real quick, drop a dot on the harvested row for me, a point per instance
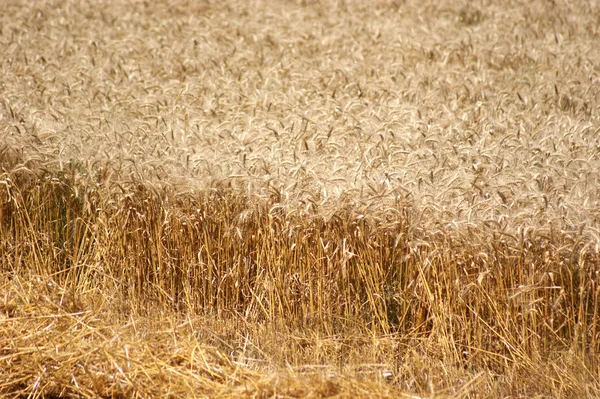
(496, 306)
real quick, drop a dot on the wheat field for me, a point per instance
(299, 199)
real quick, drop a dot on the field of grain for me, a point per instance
(299, 199)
